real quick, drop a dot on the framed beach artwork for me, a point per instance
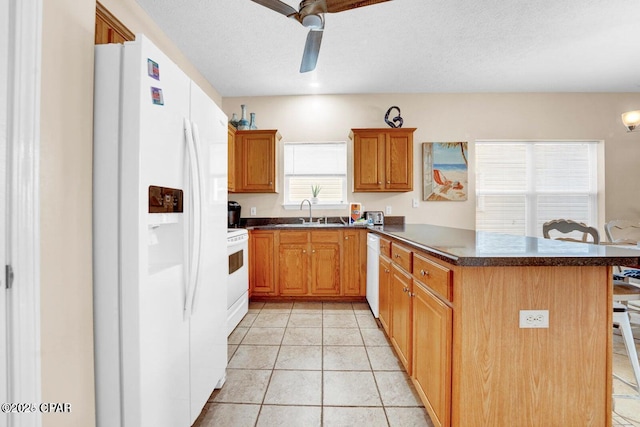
(444, 171)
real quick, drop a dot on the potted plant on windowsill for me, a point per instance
(315, 190)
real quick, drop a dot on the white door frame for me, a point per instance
(21, 72)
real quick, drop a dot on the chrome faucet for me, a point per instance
(308, 201)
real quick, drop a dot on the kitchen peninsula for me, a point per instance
(451, 302)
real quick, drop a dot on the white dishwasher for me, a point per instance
(373, 253)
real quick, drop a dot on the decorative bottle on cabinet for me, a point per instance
(243, 124)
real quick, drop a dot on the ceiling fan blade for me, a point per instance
(279, 7)
(334, 6)
(311, 50)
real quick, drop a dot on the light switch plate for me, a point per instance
(253, 211)
(416, 203)
(387, 210)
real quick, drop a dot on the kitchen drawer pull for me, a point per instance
(424, 273)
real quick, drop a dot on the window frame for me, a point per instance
(290, 205)
(595, 193)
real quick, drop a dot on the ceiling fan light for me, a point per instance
(312, 21)
(631, 120)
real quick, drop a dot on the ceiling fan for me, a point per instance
(311, 15)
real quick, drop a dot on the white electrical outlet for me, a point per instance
(387, 210)
(253, 211)
(534, 318)
(416, 203)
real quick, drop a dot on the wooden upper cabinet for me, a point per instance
(382, 159)
(109, 29)
(231, 158)
(255, 161)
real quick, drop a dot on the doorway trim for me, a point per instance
(23, 77)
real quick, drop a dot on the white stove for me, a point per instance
(238, 281)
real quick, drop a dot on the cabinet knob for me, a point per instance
(270, 182)
(388, 182)
(346, 238)
(304, 251)
(313, 251)
(397, 255)
(386, 271)
(412, 294)
(424, 273)
(405, 289)
(379, 183)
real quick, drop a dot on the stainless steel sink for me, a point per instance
(308, 225)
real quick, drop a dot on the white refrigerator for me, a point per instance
(159, 223)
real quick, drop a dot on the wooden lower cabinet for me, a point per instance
(353, 262)
(384, 298)
(293, 270)
(261, 267)
(432, 333)
(401, 315)
(325, 263)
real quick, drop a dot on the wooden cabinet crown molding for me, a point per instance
(109, 29)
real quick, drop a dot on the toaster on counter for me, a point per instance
(375, 217)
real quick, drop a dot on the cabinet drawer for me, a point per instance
(401, 256)
(325, 236)
(435, 276)
(385, 247)
(288, 237)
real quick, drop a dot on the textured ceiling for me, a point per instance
(412, 46)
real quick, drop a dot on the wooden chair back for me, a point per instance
(566, 226)
(622, 231)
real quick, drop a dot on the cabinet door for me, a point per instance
(368, 161)
(399, 161)
(256, 165)
(261, 268)
(384, 286)
(231, 158)
(401, 334)
(293, 268)
(432, 335)
(353, 282)
(325, 269)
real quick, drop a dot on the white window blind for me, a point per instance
(315, 163)
(522, 185)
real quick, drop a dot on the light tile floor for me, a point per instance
(328, 364)
(312, 364)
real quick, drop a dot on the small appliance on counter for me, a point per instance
(375, 218)
(234, 214)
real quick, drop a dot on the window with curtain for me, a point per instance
(309, 164)
(522, 185)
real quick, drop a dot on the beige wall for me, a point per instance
(454, 117)
(66, 179)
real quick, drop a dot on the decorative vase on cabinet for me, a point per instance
(243, 124)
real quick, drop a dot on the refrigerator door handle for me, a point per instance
(195, 219)
(197, 144)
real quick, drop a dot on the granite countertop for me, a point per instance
(478, 248)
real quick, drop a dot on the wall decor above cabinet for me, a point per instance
(252, 164)
(382, 159)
